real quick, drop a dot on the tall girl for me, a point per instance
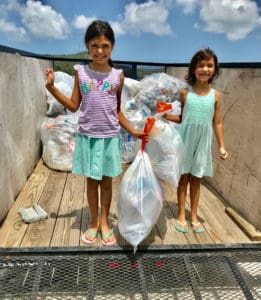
(97, 94)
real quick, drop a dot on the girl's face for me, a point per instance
(100, 49)
(205, 69)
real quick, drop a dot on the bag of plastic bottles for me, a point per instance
(58, 139)
(140, 200)
(159, 87)
(165, 147)
(136, 114)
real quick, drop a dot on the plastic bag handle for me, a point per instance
(147, 128)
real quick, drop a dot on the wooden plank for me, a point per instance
(249, 229)
(13, 228)
(218, 224)
(166, 226)
(68, 225)
(39, 234)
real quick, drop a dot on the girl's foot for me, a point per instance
(90, 236)
(181, 226)
(197, 227)
(108, 238)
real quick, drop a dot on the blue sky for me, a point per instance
(168, 31)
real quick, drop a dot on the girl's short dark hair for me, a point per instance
(203, 54)
(98, 28)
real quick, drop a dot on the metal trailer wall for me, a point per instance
(23, 106)
(238, 179)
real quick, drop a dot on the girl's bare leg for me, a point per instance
(194, 198)
(182, 193)
(106, 196)
(93, 201)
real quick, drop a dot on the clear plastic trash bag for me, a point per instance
(58, 138)
(165, 149)
(140, 200)
(159, 87)
(129, 90)
(64, 77)
(136, 114)
(55, 108)
(64, 83)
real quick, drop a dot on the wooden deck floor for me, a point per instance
(63, 196)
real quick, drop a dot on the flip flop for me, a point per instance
(195, 227)
(107, 236)
(181, 226)
(92, 234)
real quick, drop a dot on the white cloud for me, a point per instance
(235, 18)
(14, 32)
(81, 22)
(117, 28)
(13, 5)
(148, 17)
(189, 5)
(9, 27)
(35, 18)
(42, 21)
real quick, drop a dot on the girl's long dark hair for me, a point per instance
(203, 54)
(98, 28)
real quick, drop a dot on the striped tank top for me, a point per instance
(98, 110)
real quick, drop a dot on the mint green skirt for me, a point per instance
(97, 157)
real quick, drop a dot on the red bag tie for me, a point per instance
(163, 106)
(147, 128)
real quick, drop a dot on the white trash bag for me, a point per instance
(55, 108)
(140, 200)
(58, 138)
(165, 149)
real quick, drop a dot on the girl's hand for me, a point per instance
(140, 134)
(49, 73)
(223, 153)
(165, 116)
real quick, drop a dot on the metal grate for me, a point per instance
(169, 273)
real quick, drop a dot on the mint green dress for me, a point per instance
(196, 131)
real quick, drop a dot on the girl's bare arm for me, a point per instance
(178, 118)
(218, 126)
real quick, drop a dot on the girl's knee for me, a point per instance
(92, 183)
(106, 183)
(184, 180)
(194, 179)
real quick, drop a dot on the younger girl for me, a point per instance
(97, 92)
(200, 109)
